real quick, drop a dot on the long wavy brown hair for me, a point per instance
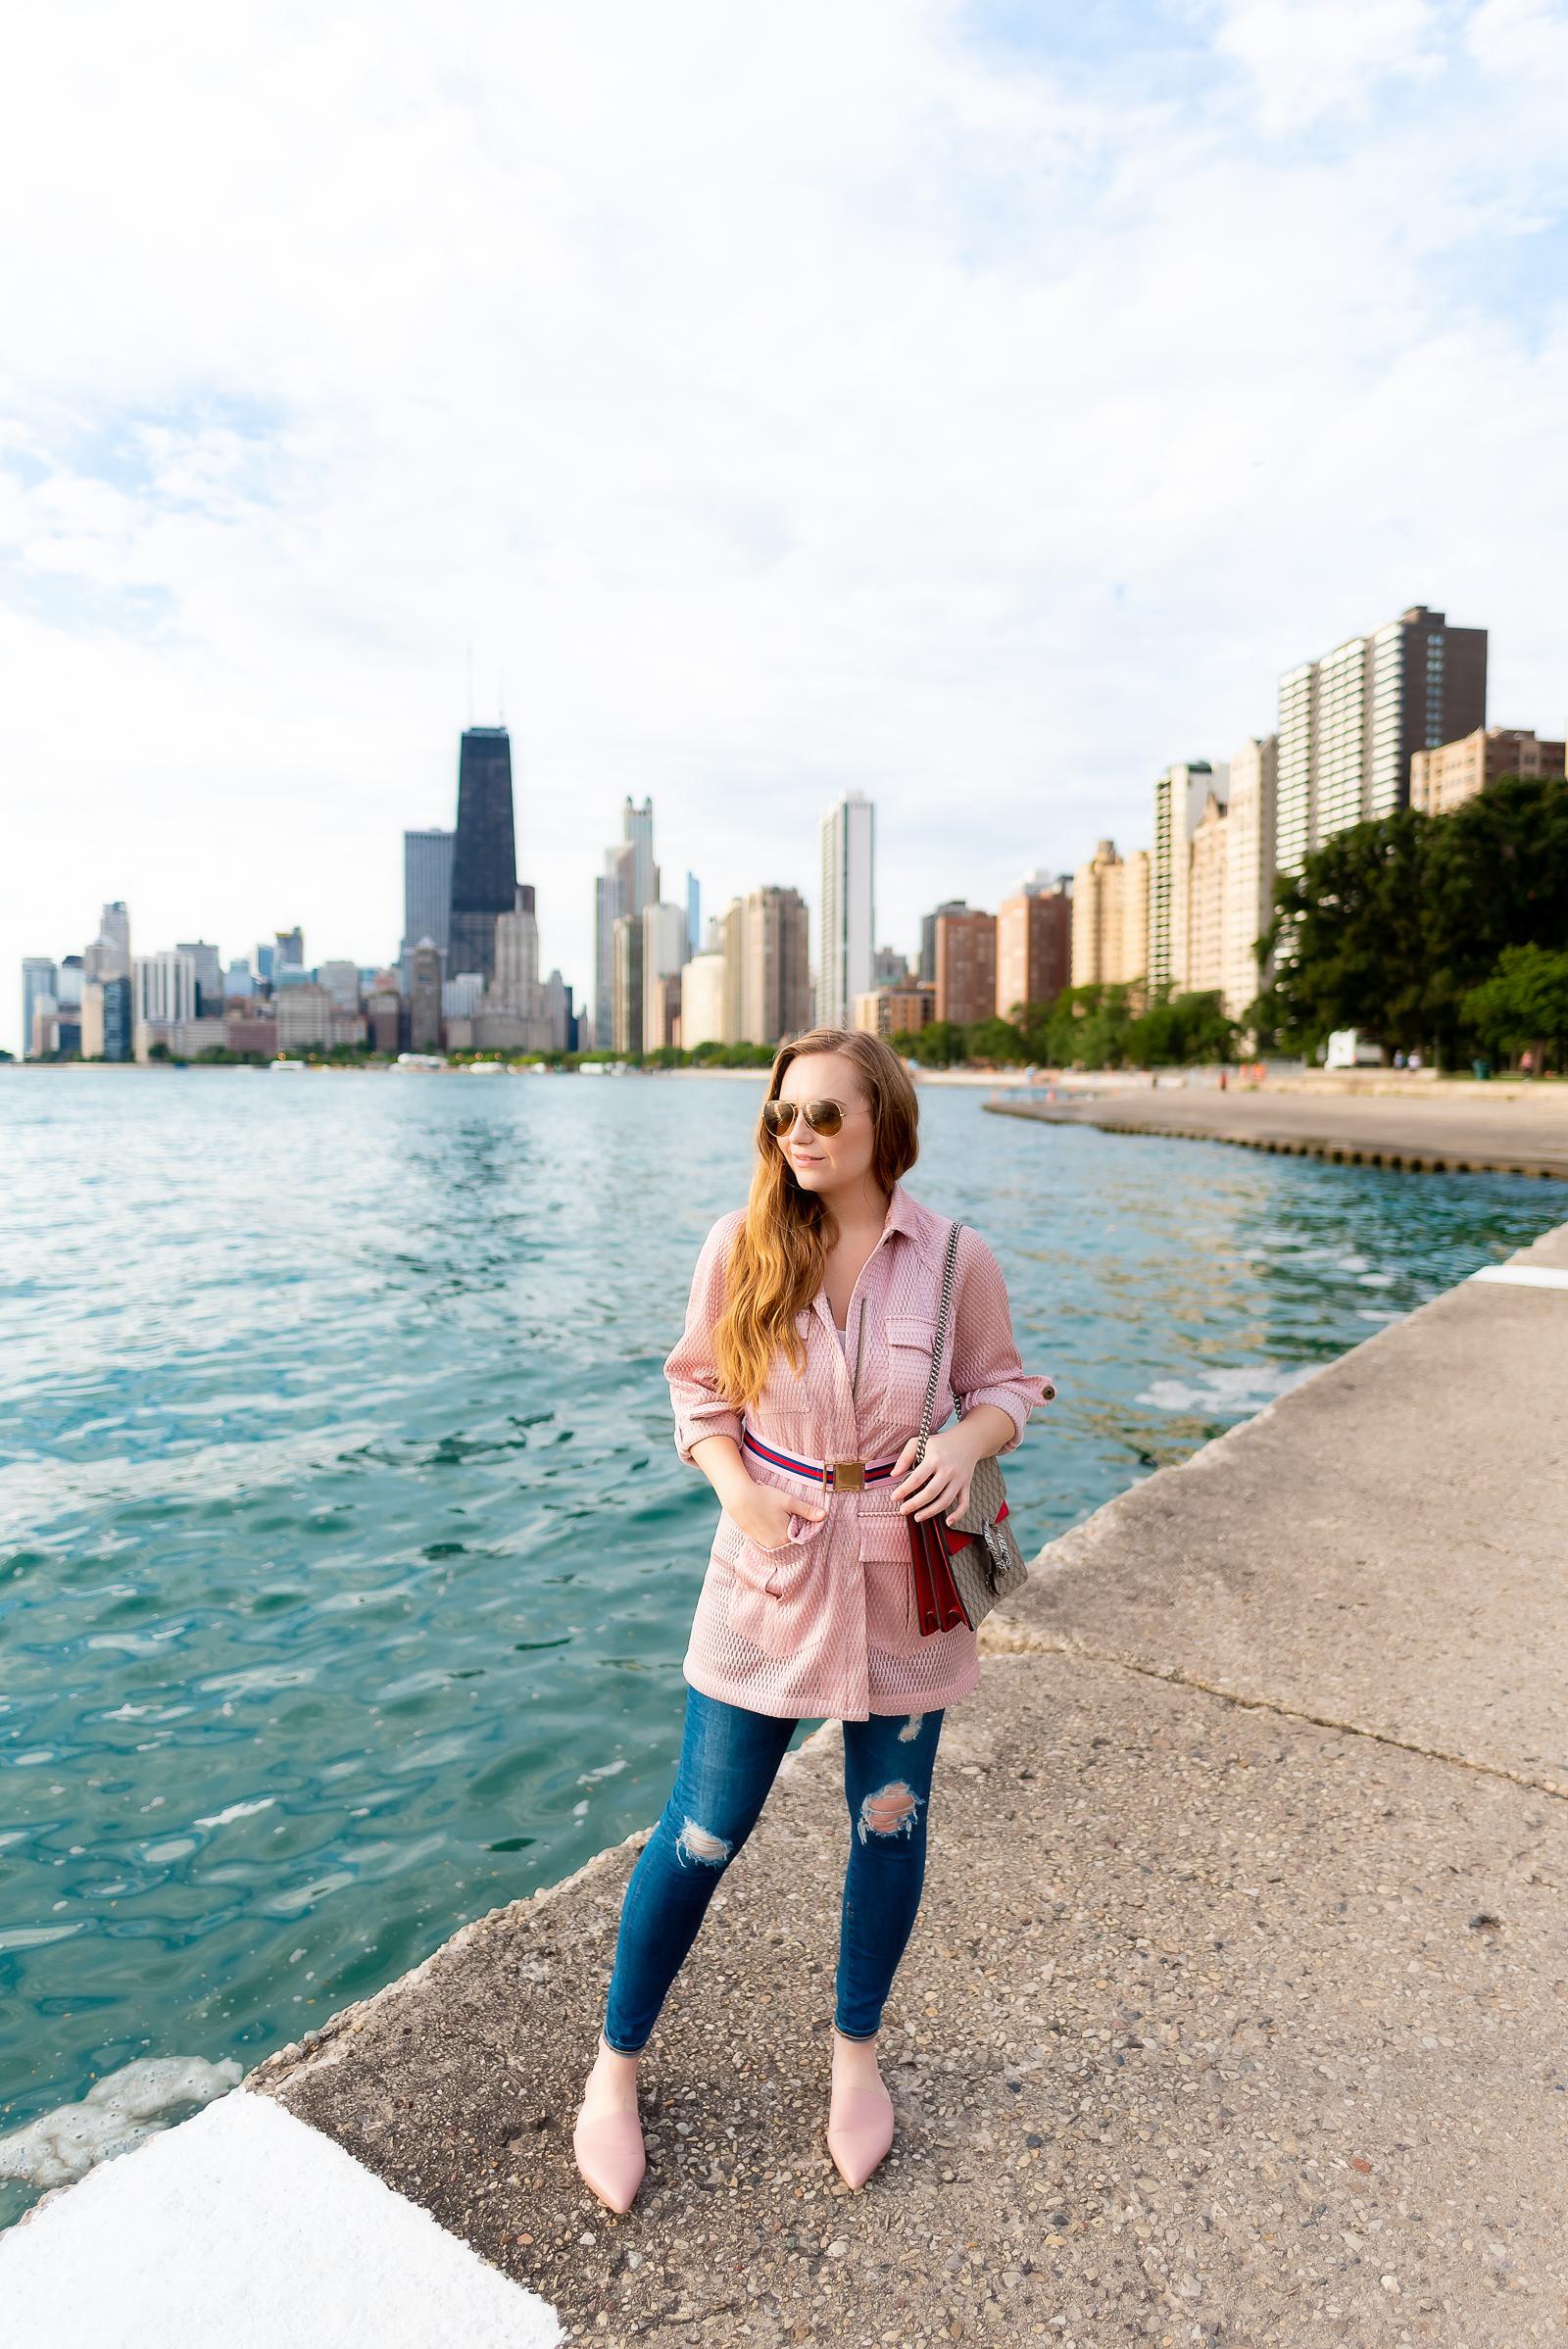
(779, 1256)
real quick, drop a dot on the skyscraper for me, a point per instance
(775, 966)
(115, 925)
(119, 1016)
(1249, 867)
(664, 951)
(209, 971)
(849, 907)
(427, 892)
(1110, 918)
(39, 979)
(484, 856)
(926, 969)
(966, 967)
(1034, 944)
(637, 831)
(628, 883)
(1351, 723)
(626, 984)
(1180, 794)
(424, 998)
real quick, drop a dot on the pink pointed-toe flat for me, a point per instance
(610, 2156)
(859, 2131)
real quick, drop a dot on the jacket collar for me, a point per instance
(927, 1230)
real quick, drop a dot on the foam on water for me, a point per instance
(116, 2113)
(1228, 1392)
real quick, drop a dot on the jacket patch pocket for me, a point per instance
(775, 1598)
(890, 1623)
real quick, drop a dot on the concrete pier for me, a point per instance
(1235, 2011)
(1477, 1129)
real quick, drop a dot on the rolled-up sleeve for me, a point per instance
(986, 1366)
(699, 1408)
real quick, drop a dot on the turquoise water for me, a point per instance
(346, 1563)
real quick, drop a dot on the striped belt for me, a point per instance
(834, 1476)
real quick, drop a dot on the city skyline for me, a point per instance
(1357, 731)
(756, 505)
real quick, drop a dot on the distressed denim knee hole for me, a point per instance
(699, 1843)
(890, 1811)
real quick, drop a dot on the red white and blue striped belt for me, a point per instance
(834, 1476)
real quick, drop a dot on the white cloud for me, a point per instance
(1309, 58)
(784, 398)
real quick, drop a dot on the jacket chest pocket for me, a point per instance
(911, 1343)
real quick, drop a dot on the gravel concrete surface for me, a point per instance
(1470, 1132)
(1235, 2009)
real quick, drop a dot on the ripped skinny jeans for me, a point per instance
(729, 1758)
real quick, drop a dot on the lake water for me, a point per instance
(345, 1564)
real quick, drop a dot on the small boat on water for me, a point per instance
(280, 1062)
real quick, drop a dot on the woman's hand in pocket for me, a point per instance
(764, 1513)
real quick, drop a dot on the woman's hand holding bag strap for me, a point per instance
(954, 1584)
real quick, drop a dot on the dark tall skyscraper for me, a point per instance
(484, 856)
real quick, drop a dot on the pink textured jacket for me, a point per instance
(820, 1626)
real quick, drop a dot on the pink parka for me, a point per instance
(821, 1627)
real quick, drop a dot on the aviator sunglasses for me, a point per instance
(823, 1117)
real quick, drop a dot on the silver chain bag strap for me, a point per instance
(992, 1565)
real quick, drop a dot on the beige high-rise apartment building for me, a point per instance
(1249, 867)
(626, 983)
(1442, 779)
(1180, 794)
(1207, 895)
(1034, 945)
(967, 967)
(1110, 918)
(663, 943)
(702, 1001)
(775, 966)
(753, 980)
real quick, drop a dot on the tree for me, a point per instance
(994, 1039)
(1177, 1030)
(1525, 1002)
(1088, 1027)
(1392, 924)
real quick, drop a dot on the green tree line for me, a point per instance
(1445, 933)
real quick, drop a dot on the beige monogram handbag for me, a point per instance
(991, 1564)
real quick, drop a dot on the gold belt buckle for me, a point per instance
(849, 1476)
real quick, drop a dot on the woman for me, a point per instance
(798, 1387)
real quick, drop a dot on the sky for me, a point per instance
(978, 406)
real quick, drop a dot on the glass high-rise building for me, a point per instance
(485, 854)
(39, 978)
(119, 1020)
(848, 908)
(426, 887)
